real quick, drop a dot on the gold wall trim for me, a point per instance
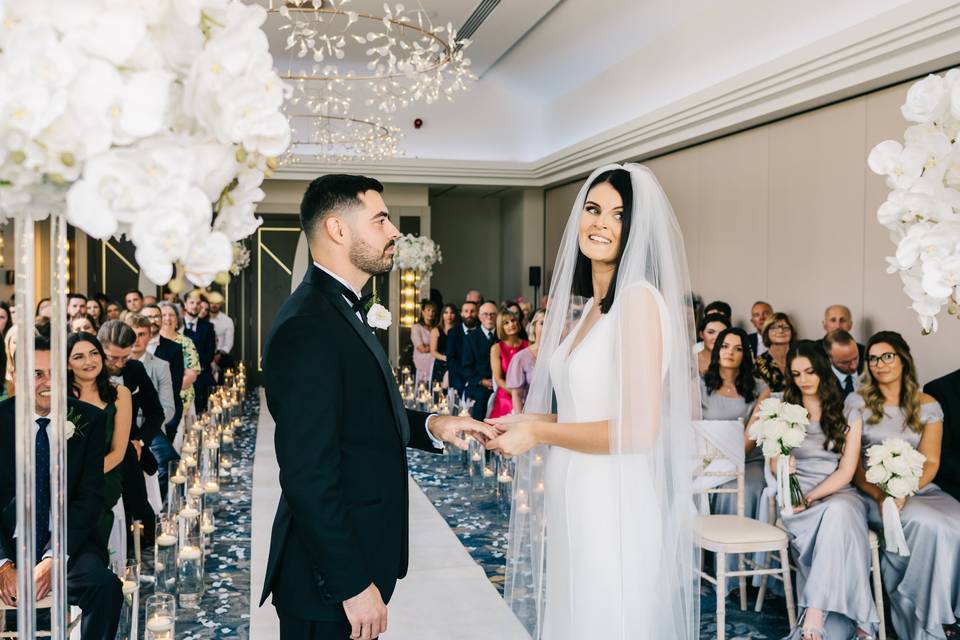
(130, 265)
(260, 245)
(264, 248)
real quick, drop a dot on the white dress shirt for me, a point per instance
(842, 377)
(223, 328)
(436, 443)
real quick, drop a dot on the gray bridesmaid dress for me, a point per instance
(830, 547)
(924, 587)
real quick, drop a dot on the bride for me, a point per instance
(600, 531)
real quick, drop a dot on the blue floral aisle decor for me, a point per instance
(481, 526)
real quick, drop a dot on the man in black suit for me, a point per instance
(339, 540)
(201, 331)
(946, 390)
(172, 352)
(476, 361)
(455, 345)
(845, 360)
(759, 313)
(146, 422)
(90, 584)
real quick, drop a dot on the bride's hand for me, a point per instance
(518, 438)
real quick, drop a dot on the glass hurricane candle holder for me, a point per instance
(165, 555)
(190, 571)
(129, 573)
(160, 613)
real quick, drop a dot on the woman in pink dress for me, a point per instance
(420, 336)
(508, 331)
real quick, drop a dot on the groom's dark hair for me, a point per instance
(331, 193)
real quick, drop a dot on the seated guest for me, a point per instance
(759, 313)
(838, 316)
(520, 371)
(439, 337)
(88, 380)
(95, 311)
(76, 303)
(946, 391)
(149, 300)
(90, 583)
(476, 361)
(709, 328)
(718, 306)
(779, 335)
(514, 307)
(82, 322)
(844, 358)
(510, 343)
(828, 532)
(170, 331)
(455, 346)
(474, 297)
(172, 353)
(201, 332)
(113, 311)
(728, 391)
(923, 587)
(133, 300)
(420, 337)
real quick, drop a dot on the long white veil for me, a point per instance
(657, 402)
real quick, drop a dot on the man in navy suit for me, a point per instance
(204, 336)
(947, 392)
(455, 345)
(476, 361)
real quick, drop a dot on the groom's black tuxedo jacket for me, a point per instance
(341, 433)
(947, 392)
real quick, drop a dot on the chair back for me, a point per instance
(720, 458)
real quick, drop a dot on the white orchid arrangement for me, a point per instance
(157, 120)
(419, 253)
(780, 427)
(922, 211)
(894, 466)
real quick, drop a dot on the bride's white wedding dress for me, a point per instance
(602, 513)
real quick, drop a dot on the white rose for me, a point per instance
(794, 437)
(69, 429)
(771, 449)
(877, 454)
(770, 407)
(877, 474)
(379, 317)
(794, 414)
(899, 487)
(927, 100)
(898, 466)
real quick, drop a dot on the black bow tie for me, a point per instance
(357, 304)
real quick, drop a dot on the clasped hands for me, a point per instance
(41, 580)
(510, 435)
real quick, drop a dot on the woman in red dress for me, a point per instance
(510, 343)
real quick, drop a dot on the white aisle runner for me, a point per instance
(445, 596)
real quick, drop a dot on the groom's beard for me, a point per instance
(369, 259)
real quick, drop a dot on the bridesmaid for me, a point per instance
(449, 318)
(420, 336)
(508, 331)
(728, 391)
(828, 532)
(709, 328)
(924, 587)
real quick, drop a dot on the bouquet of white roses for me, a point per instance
(780, 427)
(894, 466)
(419, 253)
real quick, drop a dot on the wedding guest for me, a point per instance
(5, 319)
(43, 308)
(728, 391)
(172, 353)
(845, 362)
(89, 381)
(719, 306)
(838, 316)
(474, 297)
(514, 307)
(90, 584)
(83, 322)
(455, 346)
(170, 330)
(779, 334)
(148, 299)
(204, 338)
(509, 344)
(76, 303)
(923, 587)
(133, 300)
(520, 370)
(828, 531)
(439, 337)
(113, 311)
(527, 308)
(204, 312)
(95, 310)
(223, 329)
(478, 375)
(759, 313)
(420, 337)
(946, 391)
(709, 328)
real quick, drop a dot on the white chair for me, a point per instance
(73, 627)
(726, 534)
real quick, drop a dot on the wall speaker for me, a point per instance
(534, 276)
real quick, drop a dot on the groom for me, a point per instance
(339, 541)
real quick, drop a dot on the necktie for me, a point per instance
(43, 486)
(848, 385)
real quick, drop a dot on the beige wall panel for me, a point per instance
(734, 196)
(468, 232)
(815, 237)
(557, 205)
(679, 175)
(885, 304)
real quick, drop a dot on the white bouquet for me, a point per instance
(894, 466)
(922, 210)
(780, 427)
(419, 253)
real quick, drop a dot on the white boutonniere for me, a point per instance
(379, 317)
(69, 429)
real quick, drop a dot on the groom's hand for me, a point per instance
(367, 614)
(451, 428)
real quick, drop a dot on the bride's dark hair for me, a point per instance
(619, 179)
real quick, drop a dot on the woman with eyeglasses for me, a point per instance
(779, 335)
(923, 587)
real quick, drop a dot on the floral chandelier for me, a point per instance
(344, 65)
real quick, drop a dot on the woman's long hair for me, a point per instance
(746, 384)
(909, 387)
(456, 317)
(423, 318)
(832, 421)
(105, 388)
